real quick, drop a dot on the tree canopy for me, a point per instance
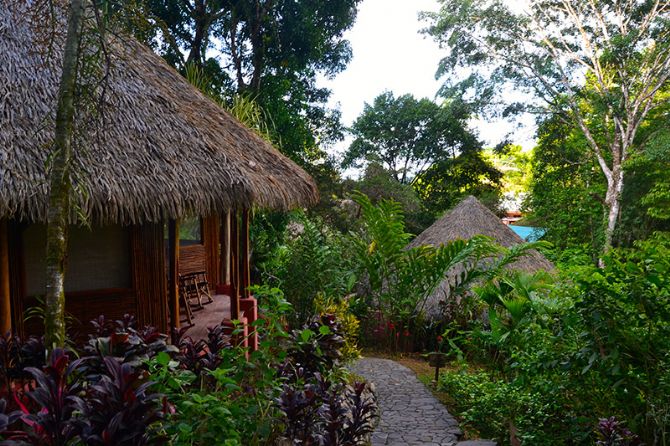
(548, 50)
(408, 135)
(271, 50)
(415, 142)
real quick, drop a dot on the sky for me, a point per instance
(390, 53)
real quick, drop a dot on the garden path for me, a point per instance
(410, 414)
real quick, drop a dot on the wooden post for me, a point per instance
(5, 297)
(224, 264)
(234, 266)
(211, 238)
(173, 272)
(244, 254)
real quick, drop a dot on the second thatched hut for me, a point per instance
(468, 219)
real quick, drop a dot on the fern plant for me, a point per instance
(511, 296)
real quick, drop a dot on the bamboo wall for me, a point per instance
(5, 296)
(149, 278)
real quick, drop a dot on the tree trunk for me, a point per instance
(201, 21)
(612, 207)
(59, 180)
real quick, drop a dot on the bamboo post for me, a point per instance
(224, 263)
(5, 298)
(173, 271)
(244, 253)
(235, 266)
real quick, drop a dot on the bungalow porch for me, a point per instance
(114, 270)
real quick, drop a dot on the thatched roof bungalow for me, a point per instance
(468, 219)
(161, 152)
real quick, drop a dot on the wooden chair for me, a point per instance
(202, 285)
(196, 286)
(185, 291)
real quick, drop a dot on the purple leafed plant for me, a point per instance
(363, 414)
(57, 394)
(119, 408)
(613, 433)
(120, 339)
(204, 354)
(9, 421)
(326, 413)
(15, 355)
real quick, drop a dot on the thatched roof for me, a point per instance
(467, 219)
(470, 218)
(164, 151)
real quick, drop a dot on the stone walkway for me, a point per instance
(410, 414)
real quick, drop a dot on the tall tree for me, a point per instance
(81, 96)
(409, 135)
(271, 50)
(426, 146)
(547, 49)
(60, 184)
(448, 181)
(566, 189)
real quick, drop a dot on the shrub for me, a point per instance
(328, 413)
(313, 261)
(398, 281)
(129, 387)
(349, 324)
(16, 355)
(257, 400)
(596, 343)
(506, 411)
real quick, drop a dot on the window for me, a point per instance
(98, 259)
(190, 231)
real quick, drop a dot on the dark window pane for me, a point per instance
(190, 231)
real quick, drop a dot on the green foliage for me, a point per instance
(565, 189)
(592, 345)
(311, 262)
(256, 398)
(515, 166)
(399, 280)
(225, 408)
(567, 192)
(497, 408)
(379, 183)
(408, 135)
(424, 144)
(626, 307)
(444, 184)
(648, 190)
(348, 322)
(510, 297)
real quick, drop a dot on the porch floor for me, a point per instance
(211, 315)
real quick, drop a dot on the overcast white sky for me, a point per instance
(389, 53)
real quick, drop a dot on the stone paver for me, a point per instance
(477, 443)
(410, 414)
